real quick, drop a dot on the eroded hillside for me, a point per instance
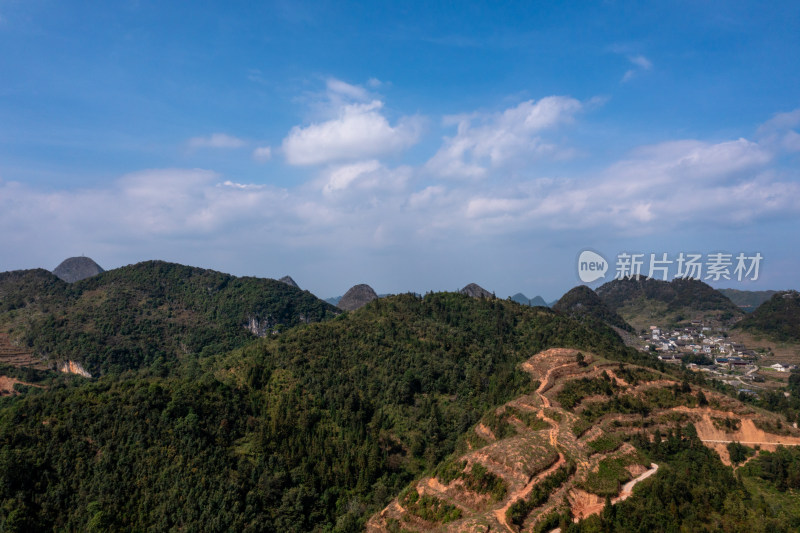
(570, 447)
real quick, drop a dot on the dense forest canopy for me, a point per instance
(777, 319)
(315, 428)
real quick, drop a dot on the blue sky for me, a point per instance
(408, 145)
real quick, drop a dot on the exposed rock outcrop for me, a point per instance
(289, 281)
(73, 367)
(476, 291)
(357, 296)
(77, 268)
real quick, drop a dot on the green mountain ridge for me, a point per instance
(777, 319)
(646, 301)
(583, 303)
(313, 429)
(148, 313)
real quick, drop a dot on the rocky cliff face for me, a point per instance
(77, 268)
(474, 290)
(73, 367)
(357, 296)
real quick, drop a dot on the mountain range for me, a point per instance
(226, 403)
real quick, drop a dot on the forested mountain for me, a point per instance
(583, 303)
(318, 428)
(313, 429)
(151, 313)
(648, 301)
(777, 319)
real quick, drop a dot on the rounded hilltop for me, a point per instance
(357, 296)
(474, 290)
(77, 268)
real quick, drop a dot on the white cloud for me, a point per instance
(342, 177)
(364, 177)
(640, 63)
(499, 138)
(262, 153)
(780, 133)
(216, 140)
(657, 188)
(359, 131)
(346, 90)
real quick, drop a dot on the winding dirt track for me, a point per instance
(627, 488)
(500, 513)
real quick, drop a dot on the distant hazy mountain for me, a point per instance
(357, 296)
(520, 299)
(524, 300)
(778, 318)
(645, 301)
(747, 300)
(583, 302)
(476, 291)
(77, 268)
(334, 300)
(538, 301)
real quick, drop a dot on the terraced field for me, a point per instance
(17, 356)
(555, 459)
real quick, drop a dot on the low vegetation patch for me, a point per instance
(739, 452)
(553, 414)
(605, 443)
(498, 424)
(477, 479)
(611, 474)
(520, 509)
(621, 404)
(635, 375)
(771, 426)
(576, 390)
(668, 397)
(727, 423)
(580, 427)
(429, 507)
(529, 418)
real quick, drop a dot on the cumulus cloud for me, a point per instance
(655, 189)
(216, 140)
(356, 129)
(485, 141)
(162, 203)
(362, 176)
(780, 132)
